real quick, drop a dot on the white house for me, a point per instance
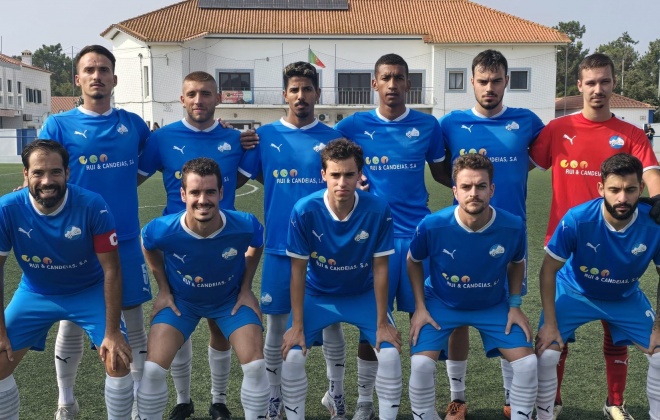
(631, 110)
(246, 43)
(24, 93)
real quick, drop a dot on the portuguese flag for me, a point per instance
(315, 60)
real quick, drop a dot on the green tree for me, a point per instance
(53, 58)
(642, 78)
(623, 54)
(575, 32)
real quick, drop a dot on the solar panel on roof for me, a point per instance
(274, 4)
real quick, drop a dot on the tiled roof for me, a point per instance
(438, 21)
(8, 59)
(616, 101)
(62, 103)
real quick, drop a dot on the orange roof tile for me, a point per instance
(10, 60)
(438, 21)
(62, 103)
(616, 101)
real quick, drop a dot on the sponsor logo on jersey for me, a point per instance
(482, 151)
(467, 127)
(574, 164)
(570, 139)
(26, 232)
(80, 133)
(72, 232)
(180, 149)
(371, 135)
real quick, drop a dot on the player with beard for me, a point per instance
(591, 271)
(287, 162)
(575, 146)
(461, 293)
(67, 244)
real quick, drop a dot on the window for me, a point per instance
(10, 100)
(38, 96)
(354, 88)
(20, 101)
(18, 87)
(235, 87)
(145, 79)
(456, 80)
(519, 79)
(29, 97)
(0, 84)
(9, 86)
(416, 93)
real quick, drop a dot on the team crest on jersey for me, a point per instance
(229, 253)
(616, 142)
(412, 133)
(72, 232)
(362, 236)
(224, 147)
(122, 129)
(496, 251)
(266, 299)
(512, 125)
(319, 147)
(639, 249)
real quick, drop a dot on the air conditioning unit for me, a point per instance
(340, 117)
(27, 117)
(324, 117)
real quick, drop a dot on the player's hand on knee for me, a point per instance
(5, 347)
(247, 298)
(249, 139)
(546, 337)
(114, 350)
(388, 334)
(293, 337)
(517, 317)
(420, 318)
(654, 202)
(163, 300)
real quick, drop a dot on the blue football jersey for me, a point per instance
(204, 271)
(603, 263)
(468, 268)
(104, 152)
(395, 154)
(55, 251)
(340, 252)
(173, 145)
(504, 139)
(290, 161)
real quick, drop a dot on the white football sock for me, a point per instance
(456, 372)
(119, 397)
(181, 370)
(9, 401)
(152, 394)
(421, 387)
(254, 390)
(388, 383)
(524, 386)
(334, 351)
(68, 353)
(220, 364)
(547, 374)
(367, 370)
(294, 385)
(275, 329)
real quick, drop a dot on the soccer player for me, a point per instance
(397, 143)
(204, 259)
(287, 162)
(591, 271)
(104, 144)
(502, 134)
(575, 146)
(339, 241)
(65, 237)
(473, 249)
(198, 134)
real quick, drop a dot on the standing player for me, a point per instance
(575, 146)
(104, 144)
(503, 135)
(397, 143)
(68, 246)
(348, 235)
(287, 162)
(461, 293)
(197, 256)
(198, 134)
(591, 271)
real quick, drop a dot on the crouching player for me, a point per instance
(67, 244)
(473, 249)
(348, 234)
(591, 271)
(204, 260)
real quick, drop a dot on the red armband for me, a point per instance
(105, 242)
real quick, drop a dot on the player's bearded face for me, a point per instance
(620, 211)
(489, 87)
(301, 95)
(46, 179)
(48, 195)
(621, 195)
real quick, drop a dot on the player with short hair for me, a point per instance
(575, 146)
(104, 144)
(397, 143)
(287, 162)
(198, 134)
(460, 292)
(339, 240)
(204, 259)
(67, 243)
(591, 271)
(503, 134)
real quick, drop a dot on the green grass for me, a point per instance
(584, 389)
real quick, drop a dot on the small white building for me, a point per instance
(631, 110)
(246, 43)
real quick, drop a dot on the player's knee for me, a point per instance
(525, 364)
(654, 361)
(549, 357)
(119, 371)
(422, 363)
(295, 356)
(389, 362)
(153, 372)
(254, 369)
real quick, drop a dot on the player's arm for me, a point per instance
(421, 316)
(141, 179)
(164, 299)
(548, 333)
(241, 180)
(516, 275)
(654, 346)
(114, 345)
(385, 332)
(245, 295)
(651, 178)
(5, 345)
(441, 172)
(295, 335)
(249, 139)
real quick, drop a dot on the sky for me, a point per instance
(76, 23)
